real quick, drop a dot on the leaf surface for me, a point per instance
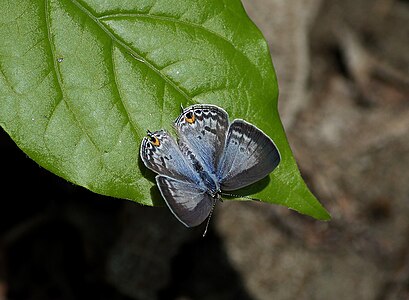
(82, 81)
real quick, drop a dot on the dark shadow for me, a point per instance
(156, 197)
(54, 235)
(46, 263)
(201, 270)
(50, 262)
(148, 174)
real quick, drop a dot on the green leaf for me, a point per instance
(81, 81)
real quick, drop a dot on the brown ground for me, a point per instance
(343, 69)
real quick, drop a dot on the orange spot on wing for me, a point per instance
(190, 117)
(154, 140)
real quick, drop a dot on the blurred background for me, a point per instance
(343, 72)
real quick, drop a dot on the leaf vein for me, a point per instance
(183, 22)
(58, 75)
(124, 105)
(128, 49)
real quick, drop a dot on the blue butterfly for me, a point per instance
(210, 157)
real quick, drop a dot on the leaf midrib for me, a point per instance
(139, 57)
(128, 49)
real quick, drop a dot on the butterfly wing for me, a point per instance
(161, 154)
(202, 131)
(189, 202)
(249, 156)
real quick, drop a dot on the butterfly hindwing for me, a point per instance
(249, 156)
(161, 154)
(202, 130)
(190, 203)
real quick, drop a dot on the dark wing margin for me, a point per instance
(190, 203)
(249, 156)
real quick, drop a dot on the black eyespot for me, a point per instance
(190, 117)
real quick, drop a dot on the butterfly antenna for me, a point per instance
(208, 218)
(181, 108)
(240, 196)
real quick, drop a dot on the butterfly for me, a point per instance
(210, 157)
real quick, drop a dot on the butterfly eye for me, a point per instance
(190, 117)
(154, 140)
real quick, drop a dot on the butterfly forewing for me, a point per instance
(190, 203)
(202, 130)
(249, 156)
(161, 154)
